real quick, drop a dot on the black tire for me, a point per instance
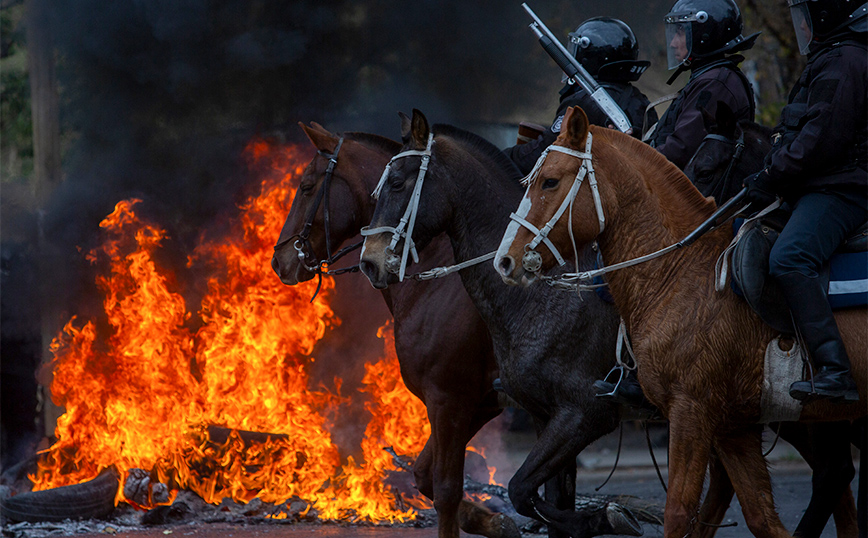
(92, 499)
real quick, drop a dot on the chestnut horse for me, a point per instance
(700, 352)
(443, 346)
(733, 150)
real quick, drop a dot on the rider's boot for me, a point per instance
(816, 323)
(628, 392)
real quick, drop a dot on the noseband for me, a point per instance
(532, 260)
(404, 230)
(302, 239)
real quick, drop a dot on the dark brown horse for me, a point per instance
(442, 344)
(700, 352)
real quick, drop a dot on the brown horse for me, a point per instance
(700, 352)
(442, 344)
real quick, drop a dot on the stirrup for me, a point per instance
(622, 373)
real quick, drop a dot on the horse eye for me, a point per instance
(397, 186)
(550, 183)
(306, 188)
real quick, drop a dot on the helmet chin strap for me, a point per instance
(404, 230)
(532, 260)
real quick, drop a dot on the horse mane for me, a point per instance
(376, 141)
(661, 176)
(480, 145)
(760, 130)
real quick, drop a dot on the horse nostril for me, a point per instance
(506, 265)
(275, 264)
(369, 269)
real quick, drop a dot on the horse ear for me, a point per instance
(725, 119)
(708, 120)
(320, 138)
(576, 123)
(405, 127)
(419, 129)
(318, 127)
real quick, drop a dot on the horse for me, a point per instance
(442, 344)
(700, 352)
(732, 150)
(548, 363)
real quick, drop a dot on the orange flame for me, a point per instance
(142, 391)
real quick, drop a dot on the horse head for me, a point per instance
(392, 236)
(539, 234)
(731, 151)
(332, 201)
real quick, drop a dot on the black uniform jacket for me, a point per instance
(632, 102)
(823, 130)
(682, 127)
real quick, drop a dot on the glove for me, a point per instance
(760, 191)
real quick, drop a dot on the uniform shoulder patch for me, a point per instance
(556, 126)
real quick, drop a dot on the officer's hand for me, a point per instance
(760, 191)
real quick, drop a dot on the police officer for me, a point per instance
(702, 37)
(608, 51)
(818, 166)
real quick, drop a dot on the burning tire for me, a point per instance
(92, 499)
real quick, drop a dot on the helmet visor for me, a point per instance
(802, 23)
(679, 42)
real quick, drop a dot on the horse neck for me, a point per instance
(650, 217)
(480, 198)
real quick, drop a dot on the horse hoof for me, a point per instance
(622, 520)
(502, 526)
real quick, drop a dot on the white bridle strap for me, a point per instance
(586, 169)
(408, 220)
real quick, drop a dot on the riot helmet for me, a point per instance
(697, 29)
(817, 21)
(607, 49)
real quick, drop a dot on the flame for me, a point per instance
(146, 387)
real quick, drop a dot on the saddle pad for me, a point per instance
(782, 369)
(848, 279)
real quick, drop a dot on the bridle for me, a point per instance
(736, 155)
(302, 239)
(532, 260)
(404, 229)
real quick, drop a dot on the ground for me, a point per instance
(635, 476)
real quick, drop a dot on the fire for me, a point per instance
(146, 387)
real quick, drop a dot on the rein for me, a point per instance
(404, 230)
(302, 239)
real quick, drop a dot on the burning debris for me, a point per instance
(178, 397)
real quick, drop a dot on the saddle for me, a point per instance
(845, 275)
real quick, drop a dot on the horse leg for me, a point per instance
(826, 448)
(560, 490)
(565, 435)
(717, 500)
(451, 430)
(860, 439)
(690, 432)
(741, 452)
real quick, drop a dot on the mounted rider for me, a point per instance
(819, 165)
(703, 37)
(608, 50)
